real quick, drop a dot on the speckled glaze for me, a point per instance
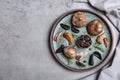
(66, 19)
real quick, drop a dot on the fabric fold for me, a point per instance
(111, 9)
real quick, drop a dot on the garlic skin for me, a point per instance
(70, 51)
(80, 56)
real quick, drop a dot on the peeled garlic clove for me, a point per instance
(57, 36)
(100, 38)
(68, 36)
(106, 42)
(69, 51)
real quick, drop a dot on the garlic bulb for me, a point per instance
(70, 51)
(95, 27)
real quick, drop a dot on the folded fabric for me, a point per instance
(110, 7)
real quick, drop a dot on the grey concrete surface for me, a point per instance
(24, 29)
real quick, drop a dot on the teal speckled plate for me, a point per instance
(71, 63)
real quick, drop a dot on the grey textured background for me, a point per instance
(24, 29)
(24, 32)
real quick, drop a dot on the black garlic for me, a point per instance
(98, 55)
(60, 49)
(91, 61)
(65, 27)
(80, 64)
(74, 30)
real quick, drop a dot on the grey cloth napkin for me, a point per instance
(110, 7)
(112, 11)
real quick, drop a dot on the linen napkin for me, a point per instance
(112, 11)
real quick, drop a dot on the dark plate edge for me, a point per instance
(97, 67)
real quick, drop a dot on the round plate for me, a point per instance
(71, 63)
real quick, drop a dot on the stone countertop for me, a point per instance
(24, 30)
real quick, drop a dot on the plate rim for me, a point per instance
(97, 67)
